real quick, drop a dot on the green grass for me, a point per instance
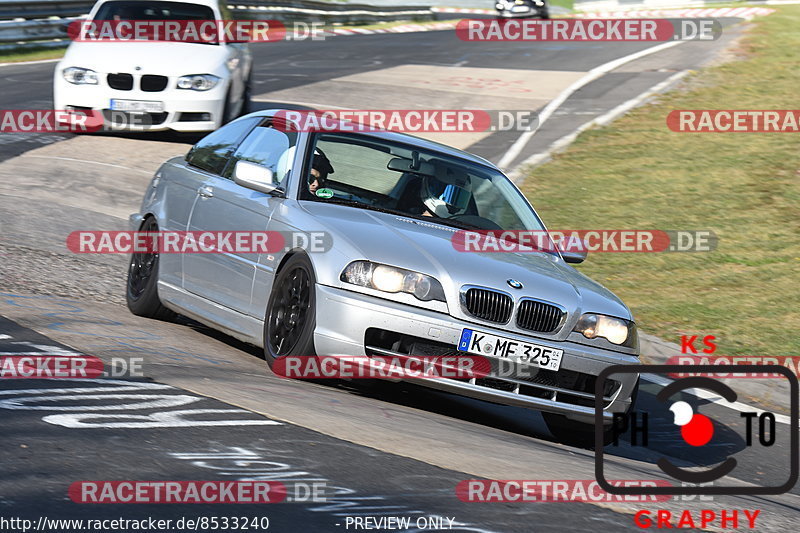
(31, 55)
(562, 3)
(744, 186)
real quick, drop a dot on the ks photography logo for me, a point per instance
(693, 430)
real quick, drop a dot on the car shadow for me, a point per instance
(664, 437)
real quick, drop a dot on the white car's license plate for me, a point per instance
(480, 343)
(149, 106)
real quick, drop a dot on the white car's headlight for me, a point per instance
(80, 76)
(198, 82)
(615, 330)
(392, 279)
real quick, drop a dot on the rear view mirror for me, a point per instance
(399, 164)
(254, 177)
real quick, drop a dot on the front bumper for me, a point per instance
(344, 317)
(183, 110)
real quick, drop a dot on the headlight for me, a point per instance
(198, 82)
(391, 279)
(615, 330)
(80, 76)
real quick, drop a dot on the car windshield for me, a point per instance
(154, 11)
(369, 173)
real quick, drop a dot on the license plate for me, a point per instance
(137, 105)
(476, 342)
(520, 9)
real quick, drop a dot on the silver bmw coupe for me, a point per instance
(390, 280)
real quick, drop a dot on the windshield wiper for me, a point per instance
(444, 222)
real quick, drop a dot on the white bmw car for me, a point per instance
(145, 85)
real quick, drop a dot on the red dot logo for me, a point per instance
(696, 429)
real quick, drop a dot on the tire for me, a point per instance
(291, 311)
(247, 96)
(226, 109)
(227, 112)
(544, 13)
(141, 291)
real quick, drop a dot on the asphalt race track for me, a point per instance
(374, 450)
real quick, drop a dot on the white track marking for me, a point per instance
(602, 120)
(145, 401)
(589, 77)
(170, 419)
(30, 62)
(718, 400)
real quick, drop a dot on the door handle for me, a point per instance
(205, 192)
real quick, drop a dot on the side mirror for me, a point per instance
(254, 177)
(571, 254)
(574, 257)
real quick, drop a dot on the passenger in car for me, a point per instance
(320, 168)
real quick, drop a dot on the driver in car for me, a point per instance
(320, 168)
(446, 195)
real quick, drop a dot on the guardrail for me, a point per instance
(29, 24)
(39, 9)
(22, 34)
(329, 13)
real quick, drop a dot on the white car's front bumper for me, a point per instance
(183, 110)
(344, 318)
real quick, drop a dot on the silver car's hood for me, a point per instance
(427, 247)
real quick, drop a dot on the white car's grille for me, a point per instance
(120, 81)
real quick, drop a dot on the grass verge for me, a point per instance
(745, 186)
(32, 55)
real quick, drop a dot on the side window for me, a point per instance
(268, 147)
(359, 166)
(212, 152)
